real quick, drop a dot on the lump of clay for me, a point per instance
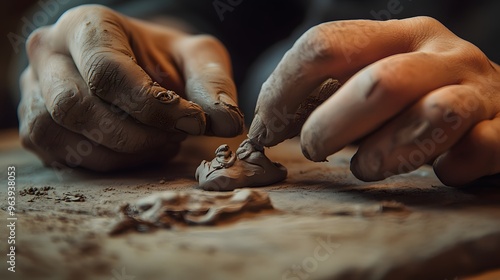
(169, 209)
(248, 167)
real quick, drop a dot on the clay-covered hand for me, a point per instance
(104, 91)
(413, 92)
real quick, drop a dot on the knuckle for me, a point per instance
(63, 103)
(385, 81)
(471, 57)
(392, 74)
(103, 44)
(105, 74)
(204, 42)
(428, 23)
(315, 44)
(84, 11)
(35, 41)
(457, 107)
(437, 110)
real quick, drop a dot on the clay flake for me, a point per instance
(170, 209)
(248, 167)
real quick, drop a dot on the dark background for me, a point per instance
(251, 27)
(10, 14)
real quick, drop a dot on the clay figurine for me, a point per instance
(248, 167)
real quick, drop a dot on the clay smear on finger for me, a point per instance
(248, 167)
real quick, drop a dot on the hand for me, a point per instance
(133, 88)
(413, 93)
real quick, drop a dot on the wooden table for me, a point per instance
(327, 224)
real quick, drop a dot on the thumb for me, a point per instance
(106, 61)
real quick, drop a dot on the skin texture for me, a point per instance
(104, 91)
(289, 125)
(413, 93)
(248, 167)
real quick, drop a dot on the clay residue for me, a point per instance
(248, 167)
(259, 133)
(169, 209)
(316, 98)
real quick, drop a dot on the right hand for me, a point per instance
(413, 92)
(98, 75)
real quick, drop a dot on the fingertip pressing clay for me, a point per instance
(248, 167)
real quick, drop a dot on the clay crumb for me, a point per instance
(36, 191)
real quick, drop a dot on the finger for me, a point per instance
(420, 134)
(53, 143)
(71, 105)
(209, 83)
(26, 112)
(370, 98)
(336, 49)
(475, 156)
(316, 98)
(101, 51)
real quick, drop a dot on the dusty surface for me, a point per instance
(326, 224)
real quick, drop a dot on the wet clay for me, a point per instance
(248, 167)
(168, 209)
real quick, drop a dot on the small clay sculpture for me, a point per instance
(248, 167)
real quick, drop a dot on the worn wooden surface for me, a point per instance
(326, 224)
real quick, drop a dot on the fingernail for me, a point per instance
(367, 165)
(189, 125)
(226, 99)
(228, 122)
(167, 97)
(307, 153)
